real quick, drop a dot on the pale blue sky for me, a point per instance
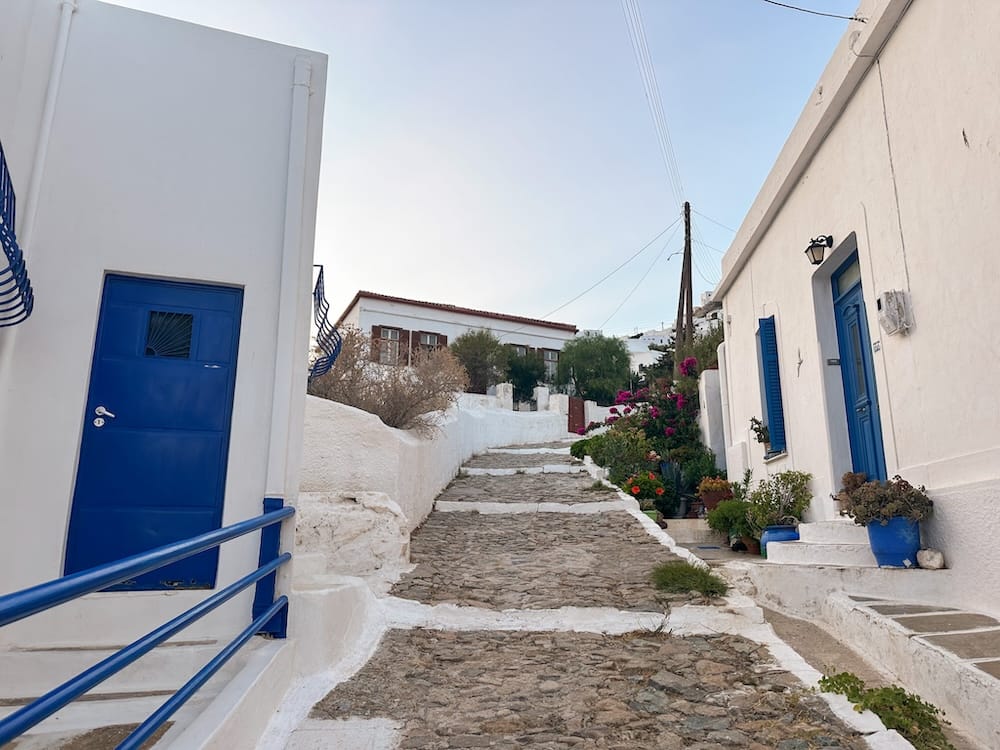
(499, 154)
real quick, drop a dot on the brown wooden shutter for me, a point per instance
(442, 341)
(376, 335)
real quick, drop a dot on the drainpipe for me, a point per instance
(290, 307)
(29, 212)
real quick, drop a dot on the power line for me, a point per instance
(643, 277)
(647, 73)
(710, 247)
(717, 223)
(616, 270)
(859, 19)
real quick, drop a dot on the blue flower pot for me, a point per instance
(895, 545)
(777, 534)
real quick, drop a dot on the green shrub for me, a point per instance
(905, 712)
(681, 577)
(622, 452)
(730, 517)
(779, 499)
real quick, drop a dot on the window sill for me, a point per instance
(770, 457)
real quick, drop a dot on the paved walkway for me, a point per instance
(540, 630)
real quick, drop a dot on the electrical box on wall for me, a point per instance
(894, 311)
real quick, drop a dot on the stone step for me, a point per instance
(950, 657)
(686, 531)
(34, 672)
(809, 553)
(840, 531)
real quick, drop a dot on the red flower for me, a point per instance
(652, 475)
(659, 490)
(635, 489)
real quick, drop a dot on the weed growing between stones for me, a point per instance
(681, 577)
(597, 486)
(905, 712)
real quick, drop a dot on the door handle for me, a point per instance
(102, 412)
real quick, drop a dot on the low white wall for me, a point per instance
(710, 415)
(347, 451)
(594, 413)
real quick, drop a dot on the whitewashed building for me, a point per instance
(165, 179)
(402, 326)
(882, 358)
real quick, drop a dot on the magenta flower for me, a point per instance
(613, 410)
(669, 431)
(680, 401)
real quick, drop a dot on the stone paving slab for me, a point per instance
(991, 668)
(527, 488)
(904, 609)
(942, 623)
(520, 460)
(984, 645)
(536, 561)
(556, 691)
(552, 444)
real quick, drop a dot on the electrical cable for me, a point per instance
(643, 277)
(859, 19)
(717, 223)
(647, 73)
(616, 270)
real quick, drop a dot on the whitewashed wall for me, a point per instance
(936, 394)
(452, 323)
(169, 156)
(349, 450)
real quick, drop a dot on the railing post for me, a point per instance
(270, 543)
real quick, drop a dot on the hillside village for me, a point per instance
(239, 517)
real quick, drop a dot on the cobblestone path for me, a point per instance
(582, 690)
(561, 690)
(527, 488)
(535, 561)
(520, 460)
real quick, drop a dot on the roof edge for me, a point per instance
(853, 58)
(568, 327)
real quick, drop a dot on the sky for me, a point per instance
(500, 154)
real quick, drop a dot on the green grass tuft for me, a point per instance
(681, 577)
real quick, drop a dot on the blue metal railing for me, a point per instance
(328, 339)
(269, 618)
(17, 299)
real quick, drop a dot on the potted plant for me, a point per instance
(713, 490)
(761, 434)
(777, 505)
(730, 517)
(892, 512)
(646, 487)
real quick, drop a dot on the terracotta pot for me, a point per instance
(712, 498)
(752, 545)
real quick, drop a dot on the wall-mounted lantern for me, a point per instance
(817, 248)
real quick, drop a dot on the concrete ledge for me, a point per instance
(843, 531)
(952, 684)
(811, 553)
(239, 714)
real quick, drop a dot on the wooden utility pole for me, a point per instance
(684, 327)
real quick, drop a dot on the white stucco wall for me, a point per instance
(938, 406)
(347, 450)
(172, 154)
(370, 312)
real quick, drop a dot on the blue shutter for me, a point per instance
(772, 383)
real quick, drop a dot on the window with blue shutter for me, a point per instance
(771, 383)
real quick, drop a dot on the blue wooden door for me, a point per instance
(864, 426)
(152, 465)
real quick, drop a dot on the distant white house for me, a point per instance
(402, 326)
(165, 181)
(882, 358)
(705, 318)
